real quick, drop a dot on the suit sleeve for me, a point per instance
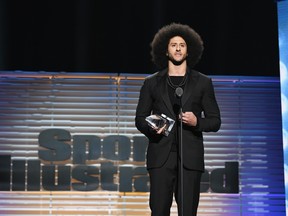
(144, 108)
(211, 121)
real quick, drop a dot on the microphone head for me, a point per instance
(179, 92)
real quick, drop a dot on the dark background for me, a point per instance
(240, 36)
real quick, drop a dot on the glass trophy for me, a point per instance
(158, 121)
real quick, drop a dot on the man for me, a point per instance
(176, 48)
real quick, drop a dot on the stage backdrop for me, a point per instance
(68, 145)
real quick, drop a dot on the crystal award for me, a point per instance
(158, 121)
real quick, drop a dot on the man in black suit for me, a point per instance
(176, 48)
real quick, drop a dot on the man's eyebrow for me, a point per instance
(176, 43)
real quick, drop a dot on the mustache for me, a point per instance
(176, 62)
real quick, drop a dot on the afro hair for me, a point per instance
(161, 40)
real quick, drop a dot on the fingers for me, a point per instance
(188, 118)
(160, 130)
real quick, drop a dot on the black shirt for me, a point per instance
(173, 82)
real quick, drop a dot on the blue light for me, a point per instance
(283, 49)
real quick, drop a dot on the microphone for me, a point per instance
(179, 92)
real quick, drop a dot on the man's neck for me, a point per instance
(177, 70)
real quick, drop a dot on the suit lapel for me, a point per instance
(164, 91)
(189, 86)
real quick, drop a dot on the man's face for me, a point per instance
(177, 50)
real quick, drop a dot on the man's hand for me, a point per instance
(188, 118)
(160, 130)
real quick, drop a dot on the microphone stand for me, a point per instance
(181, 162)
(179, 92)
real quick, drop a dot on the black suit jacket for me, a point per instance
(198, 97)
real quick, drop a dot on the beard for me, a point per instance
(176, 62)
